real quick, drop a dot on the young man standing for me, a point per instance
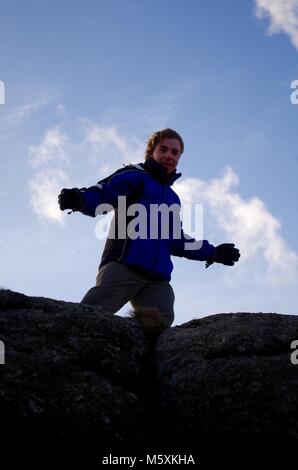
(138, 269)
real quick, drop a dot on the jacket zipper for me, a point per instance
(158, 239)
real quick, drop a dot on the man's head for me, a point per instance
(165, 147)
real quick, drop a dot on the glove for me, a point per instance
(70, 199)
(224, 254)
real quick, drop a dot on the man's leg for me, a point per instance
(115, 285)
(158, 294)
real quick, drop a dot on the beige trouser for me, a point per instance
(116, 284)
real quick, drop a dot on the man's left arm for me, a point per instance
(189, 247)
(202, 250)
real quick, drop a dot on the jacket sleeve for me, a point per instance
(190, 248)
(103, 197)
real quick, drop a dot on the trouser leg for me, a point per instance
(115, 285)
(157, 294)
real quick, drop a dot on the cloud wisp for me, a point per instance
(47, 160)
(283, 17)
(38, 101)
(110, 148)
(45, 186)
(53, 147)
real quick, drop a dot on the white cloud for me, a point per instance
(283, 16)
(45, 187)
(48, 177)
(52, 147)
(249, 224)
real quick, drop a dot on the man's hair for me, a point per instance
(155, 138)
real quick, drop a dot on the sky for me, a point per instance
(82, 87)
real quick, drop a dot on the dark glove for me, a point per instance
(70, 199)
(224, 254)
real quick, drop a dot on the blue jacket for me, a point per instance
(145, 183)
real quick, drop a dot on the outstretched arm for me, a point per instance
(190, 248)
(88, 200)
(202, 250)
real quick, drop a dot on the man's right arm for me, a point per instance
(88, 200)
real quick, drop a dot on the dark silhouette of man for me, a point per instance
(138, 268)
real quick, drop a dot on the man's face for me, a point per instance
(167, 153)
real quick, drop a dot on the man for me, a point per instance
(138, 268)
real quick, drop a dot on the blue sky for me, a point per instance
(86, 83)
